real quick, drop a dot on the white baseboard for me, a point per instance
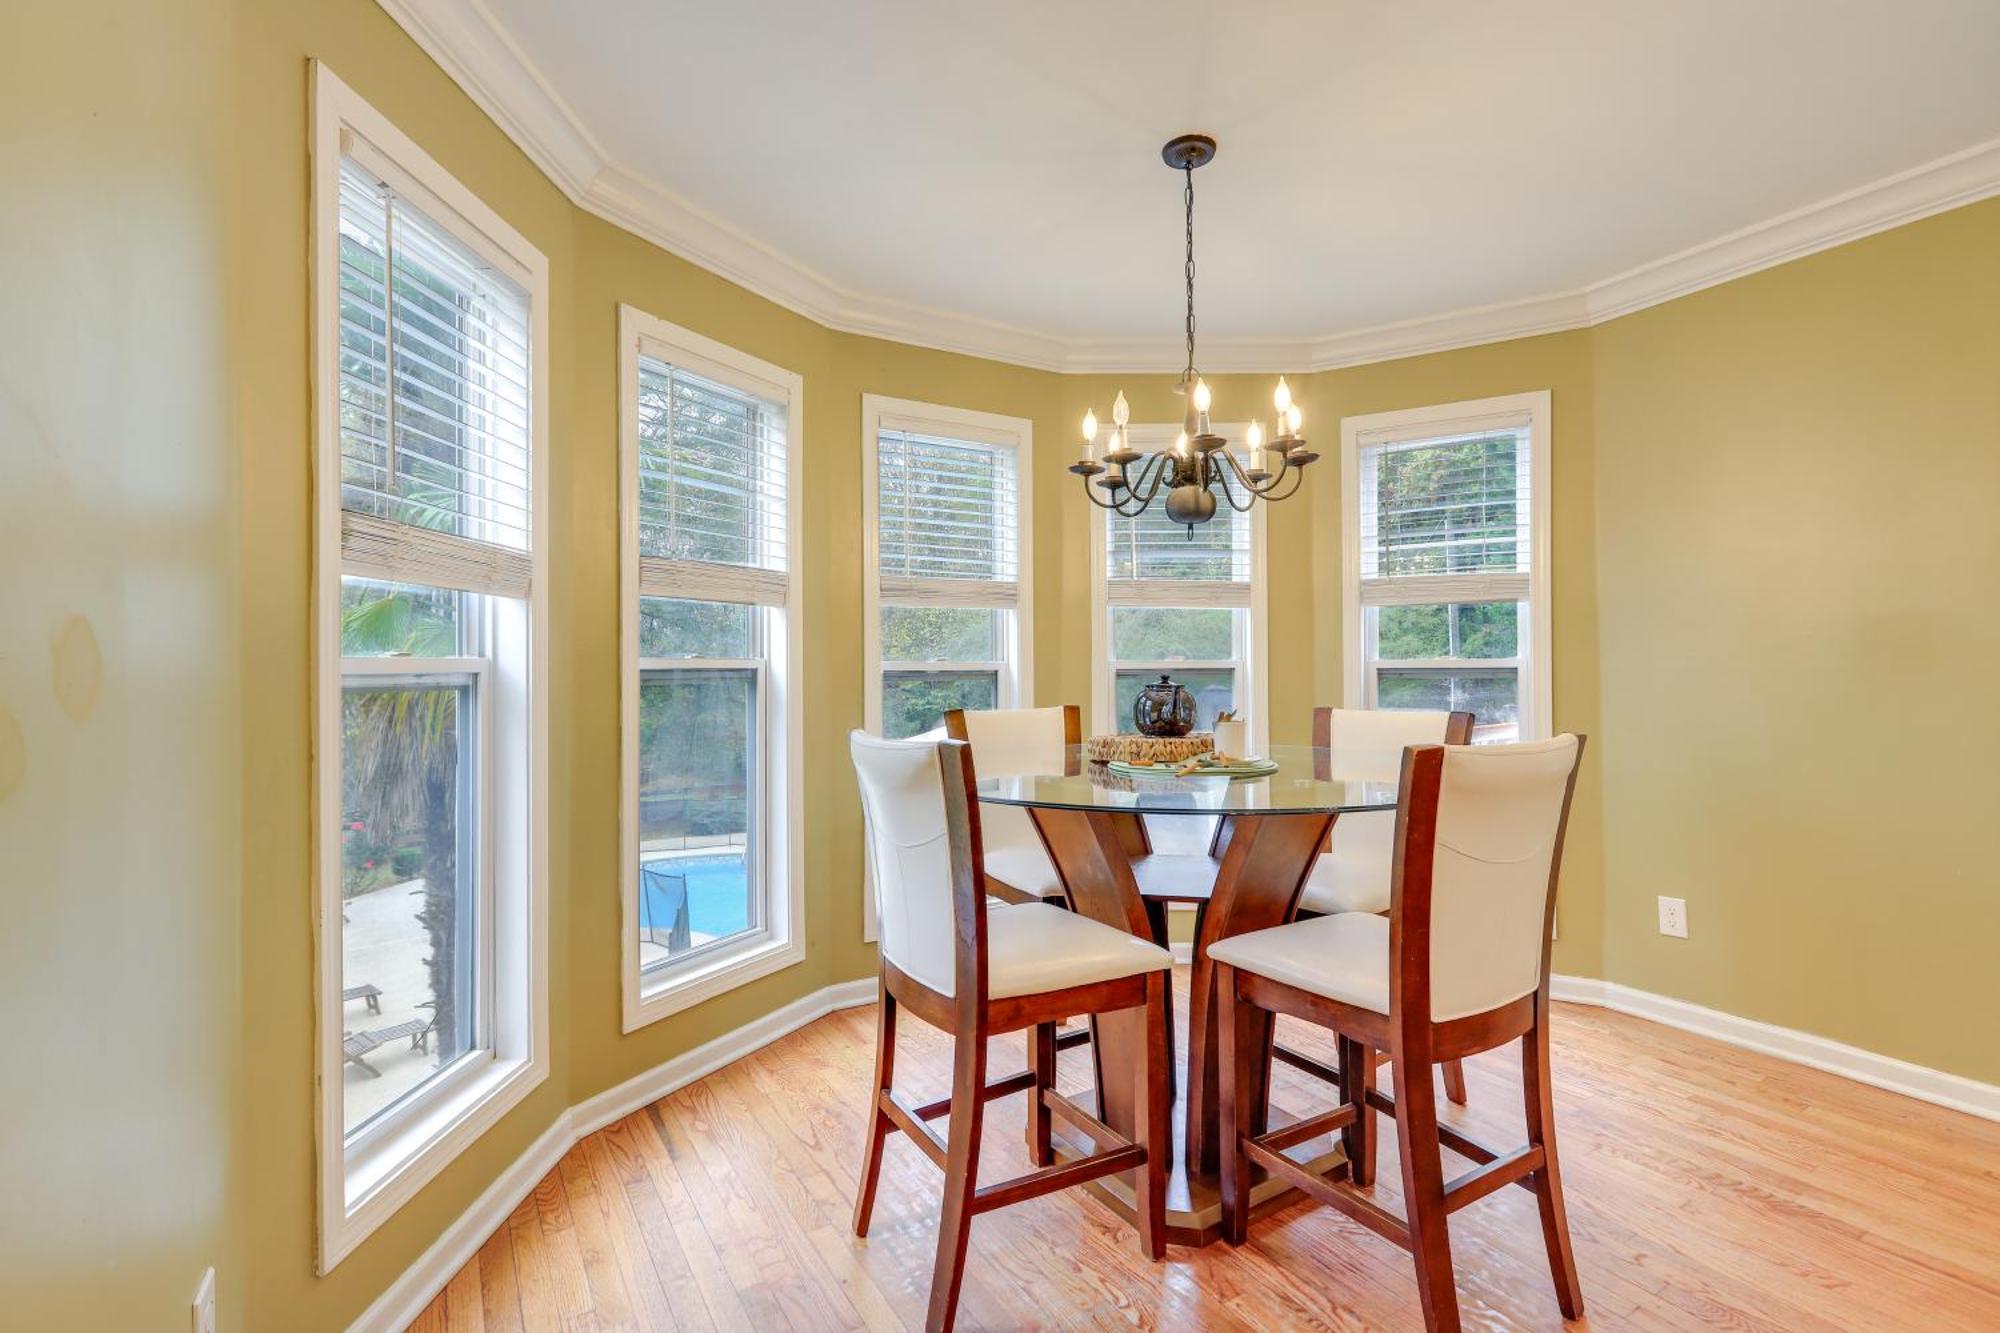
(419, 1285)
(1802, 1048)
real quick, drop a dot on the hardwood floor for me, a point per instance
(1708, 1188)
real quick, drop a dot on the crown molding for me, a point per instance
(469, 44)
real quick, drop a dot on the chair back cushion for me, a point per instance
(1499, 822)
(1016, 742)
(1367, 744)
(910, 854)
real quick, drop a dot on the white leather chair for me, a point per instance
(976, 971)
(1008, 743)
(1352, 875)
(1459, 966)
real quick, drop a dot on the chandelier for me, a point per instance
(1199, 464)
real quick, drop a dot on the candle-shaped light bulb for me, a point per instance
(1180, 444)
(1282, 400)
(1254, 438)
(1120, 411)
(1202, 397)
(1293, 419)
(1089, 432)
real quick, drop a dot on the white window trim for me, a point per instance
(1256, 639)
(361, 1188)
(1450, 419)
(781, 941)
(1017, 671)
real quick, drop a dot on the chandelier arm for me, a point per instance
(1298, 480)
(1229, 491)
(1270, 483)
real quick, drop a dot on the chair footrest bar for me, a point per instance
(1005, 1087)
(1077, 1171)
(1365, 1211)
(909, 1119)
(1074, 1037)
(1513, 1169)
(1309, 1128)
(1299, 1060)
(1101, 1135)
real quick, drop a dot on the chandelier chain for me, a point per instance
(1188, 197)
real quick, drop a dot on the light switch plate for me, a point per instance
(1674, 917)
(201, 1314)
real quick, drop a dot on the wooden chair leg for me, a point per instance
(1454, 1081)
(1548, 1181)
(1423, 1193)
(1041, 1064)
(1155, 1104)
(1233, 1052)
(878, 1123)
(961, 1178)
(1357, 1079)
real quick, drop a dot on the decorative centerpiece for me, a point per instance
(1164, 708)
(1147, 749)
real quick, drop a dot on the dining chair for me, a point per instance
(976, 971)
(1459, 966)
(1017, 742)
(1352, 874)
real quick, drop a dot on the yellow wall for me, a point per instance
(1745, 426)
(1798, 573)
(119, 784)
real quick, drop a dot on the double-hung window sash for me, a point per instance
(948, 514)
(435, 420)
(1153, 561)
(1446, 519)
(711, 488)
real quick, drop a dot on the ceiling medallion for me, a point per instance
(1199, 464)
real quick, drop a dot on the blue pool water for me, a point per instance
(718, 903)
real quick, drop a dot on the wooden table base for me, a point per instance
(1261, 866)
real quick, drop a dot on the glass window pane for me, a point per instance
(1444, 506)
(1214, 690)
(1492, 696)
(409, 876)
(1470, 630)
(711, 470)
(1172, 634)
(671, 627)
(698, 756)
(916, 701)
(405, 620)
(939, 634)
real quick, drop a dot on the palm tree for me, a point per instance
(400, 762)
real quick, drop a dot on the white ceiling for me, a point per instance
(998, 164)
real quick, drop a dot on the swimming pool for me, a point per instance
(717, 889)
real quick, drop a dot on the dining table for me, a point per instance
(1268, 832)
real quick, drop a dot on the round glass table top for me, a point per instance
(1308, 781)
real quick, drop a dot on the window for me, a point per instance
(1180, 603)
(711, 873)
(430, 368)
(948, 605)
(1446, 585)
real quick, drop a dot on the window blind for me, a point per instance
(712, 478)
(1153, 561)
(1446, 519)
(947, 520)
(435, 420)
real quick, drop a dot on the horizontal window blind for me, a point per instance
(1153, 561)
(947, 520)
(1446, 519)
(712, 489)
(434, 400)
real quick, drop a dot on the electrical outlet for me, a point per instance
(201, 1314)
(1674, 917)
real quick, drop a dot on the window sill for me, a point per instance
(678, 988)
(388, 1171)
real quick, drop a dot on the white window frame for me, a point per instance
(363, 1182)
(1447, 419)
(1016, 667)
(1253, 666)
(780, 940)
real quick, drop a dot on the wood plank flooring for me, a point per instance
(1708, 1188)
